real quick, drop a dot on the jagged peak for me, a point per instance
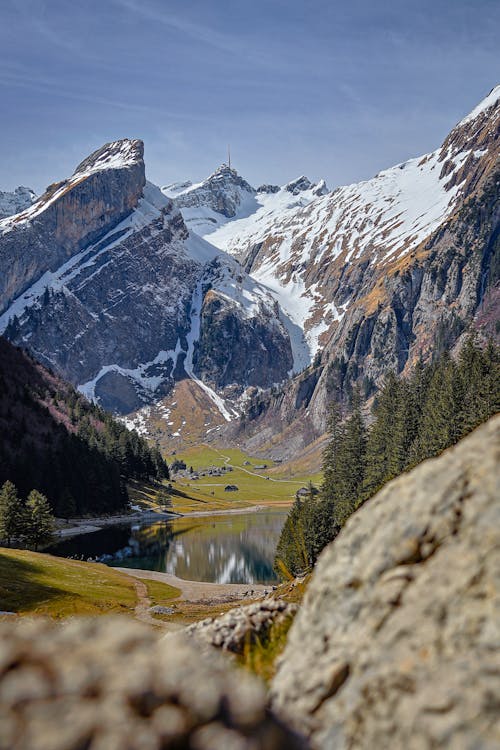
(303, 183)
(18, 200)
(113, 155)
(227, 174)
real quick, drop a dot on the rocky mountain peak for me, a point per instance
(302, 183)
(298, 185)
(13, 202)
(71, 214)
(224, 192)
(113, 155)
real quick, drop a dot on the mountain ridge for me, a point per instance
(337, 286)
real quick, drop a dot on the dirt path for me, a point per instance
(198, 591)
(143, 605)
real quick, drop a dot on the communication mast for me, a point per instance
(229, 156)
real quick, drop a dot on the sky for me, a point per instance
(326, 88)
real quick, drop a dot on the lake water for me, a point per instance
(236, 548)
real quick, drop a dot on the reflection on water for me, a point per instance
(236, 548)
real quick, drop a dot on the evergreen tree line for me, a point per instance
(72, 451)
(413, 419)
(29, 522)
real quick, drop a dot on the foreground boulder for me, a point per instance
(110, 684)
(397, 644)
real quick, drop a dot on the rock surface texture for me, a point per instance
(109, 684)
(240, 627)
(397, 643)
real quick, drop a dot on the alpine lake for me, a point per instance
(233, 548)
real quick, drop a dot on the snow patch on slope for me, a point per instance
(485, 104)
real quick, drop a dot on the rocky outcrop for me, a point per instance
(397, 643)
(222, 192)
(239, 628)
(110, 684)
(12, 203)
(70, 215)
(230, 344)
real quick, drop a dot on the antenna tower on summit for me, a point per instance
(229, 156)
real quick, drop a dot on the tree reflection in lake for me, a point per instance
(235, 548)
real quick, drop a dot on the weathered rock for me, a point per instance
(20, 199)
(397, 643)
(109, 684)
(71, 214)
(388, 288)
(231, 343)
(242, 626)
(223, 192)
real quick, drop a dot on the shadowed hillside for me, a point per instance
(54, 440)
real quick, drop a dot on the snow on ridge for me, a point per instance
(12, 203)
(114, 155)
(483, 106)
(138, 373)
(148, 209)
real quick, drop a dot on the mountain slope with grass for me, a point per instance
(53, 440)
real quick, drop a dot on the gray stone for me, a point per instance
(237, 628)
(397, 643)
(110, 684)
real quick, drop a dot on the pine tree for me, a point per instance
(351, 464)
(39, 524)
(12, 513)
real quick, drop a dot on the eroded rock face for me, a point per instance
(109, 684)
(397, 643)
(119, 315)
(71, 214)
(223, 192)
(232, 343)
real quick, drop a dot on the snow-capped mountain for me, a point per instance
(389, 270)
(379, 272)
(234, 216)
(221, 290)
(19, 200)
(104, 283)
(301, 242)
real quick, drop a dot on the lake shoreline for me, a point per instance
(78, 526)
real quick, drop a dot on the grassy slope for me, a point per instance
(161, 593)
(207, 493)
(279, 489)
(34, 583)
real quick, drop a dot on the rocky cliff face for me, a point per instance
(71, 214)
(112, 291)
(230, 343)
(387, 271)
(397, 642)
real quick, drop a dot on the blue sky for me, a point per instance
(324, 88)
